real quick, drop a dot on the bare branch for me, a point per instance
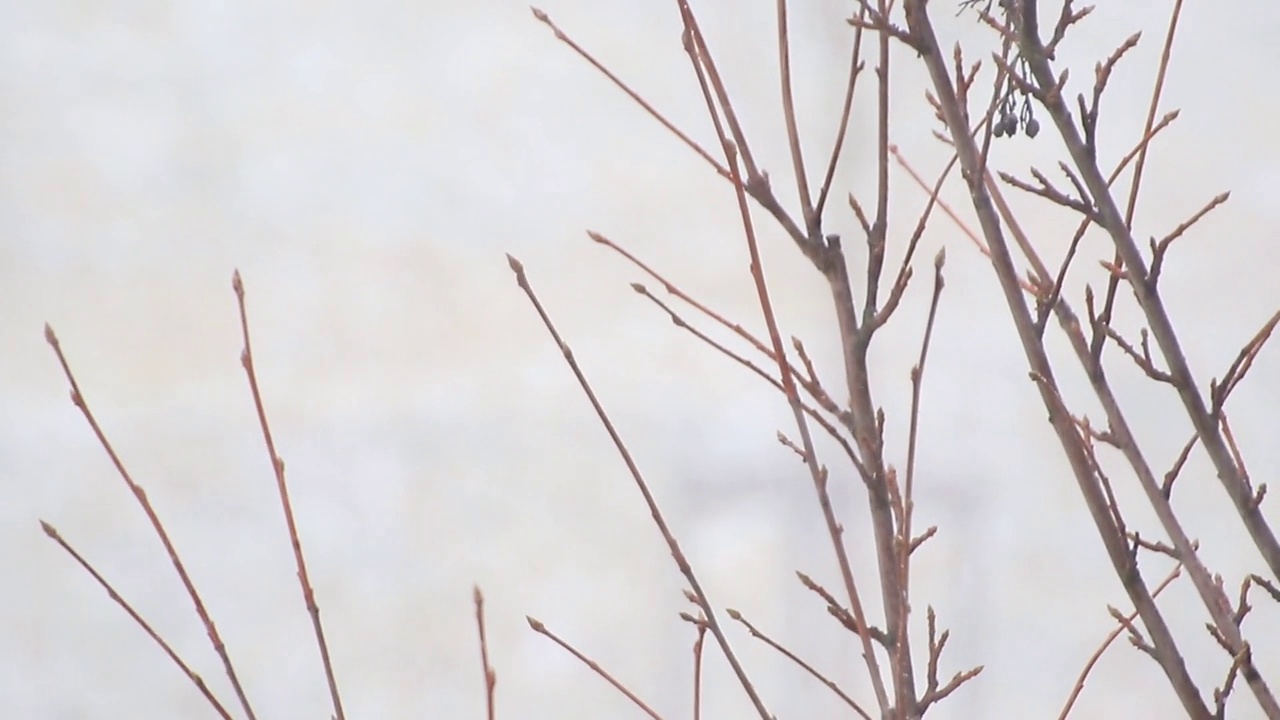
(676, 553)
(595, 667)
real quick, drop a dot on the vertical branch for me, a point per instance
(894, 583)
(811, 221)
(855, 69)
(1113, 284)
(818, 473)
(879, 227)
(905, 539)
(277, 466)
(490, 677)
(698, 644)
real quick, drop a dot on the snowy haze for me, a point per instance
(366, 166)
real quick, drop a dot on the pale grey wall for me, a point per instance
(365, 166)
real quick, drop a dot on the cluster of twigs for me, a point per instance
(1023, 69)
(1024, 79)
(1093, 199)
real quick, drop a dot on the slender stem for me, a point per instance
(277, 466)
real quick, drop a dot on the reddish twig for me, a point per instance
(277, 466)
(195, 678)
(672, 545)
(698, 646)
(908, 493)
(818, 473)
(541, 629)
(1111, 638)
(812, 671)
(812, 222)
(219, 647)
(758, 372)
(543, 18)
(855, 69)
(490, 677)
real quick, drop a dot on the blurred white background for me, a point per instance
(366, 166)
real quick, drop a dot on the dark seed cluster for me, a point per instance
(1012, 116)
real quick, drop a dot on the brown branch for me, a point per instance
(812, 221)
(813, 672)
(1066, 20)
(277, 465)
(698, 645)
(906, 543)
(759, 192)
(139, 494)
(125, 605)
(1242, 364)
(1140, 165)
(672, 545)
(1160, 249)
(653, 112)
(876, 19)
(952, 214)
(935, 692)
(717, 102)
(855, 69)
(1047, 191)
(490, 677)
(595, 667)
(1158, 496)
(1106, 643)
(1120, 436)
(842, 614)
(815, 391)
(1143, 360)
(834, 528)
(739, 359)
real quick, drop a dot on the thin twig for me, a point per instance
(812, 223)
(756, 370)
(139, 494)
(541, 629)
(676, 553)
(817, 472)
(1111, 637)
(815, 391)
(277, 466)
(490, 677)
(1157, 90)
(855, 69)
(563, 37)
(812, 671)
(913, 432)
(192, 675)
(698, 646)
